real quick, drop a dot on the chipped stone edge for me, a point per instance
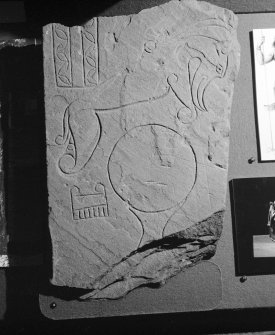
(117, 284)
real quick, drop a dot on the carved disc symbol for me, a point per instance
(152, 168)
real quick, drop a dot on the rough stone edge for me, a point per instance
(195, 232)
(177, 251)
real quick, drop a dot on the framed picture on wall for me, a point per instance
(253, 216)
(264, 70)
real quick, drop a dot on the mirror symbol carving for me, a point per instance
(145, 119)
(91, 205)
(169, 162)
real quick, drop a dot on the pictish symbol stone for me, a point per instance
(137, 125)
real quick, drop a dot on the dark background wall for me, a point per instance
(22, 110)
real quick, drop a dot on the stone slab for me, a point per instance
(137, 126)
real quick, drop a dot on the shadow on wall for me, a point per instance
(76, 12)
(25, 175)
(21, 73)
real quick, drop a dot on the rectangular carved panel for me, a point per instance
(75, 55)
(90, 53)
(62, 55)
(137, 118)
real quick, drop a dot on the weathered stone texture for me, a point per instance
(137, 120)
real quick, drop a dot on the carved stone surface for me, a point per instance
(137, 121)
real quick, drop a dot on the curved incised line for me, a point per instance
(202, 54)
(109, 177)
(197, 69)
(69, 136)
(203, 94)
(200, 92)
(214, 24)
(226, 67)
(60, 54)
(198, 98)
(191, 81)
(206, 86)
(62, 139)
(181, 203)
(99, 138)
(142, 227)
(73, 138)
(180, 99)
(75, 157)
(201, 89)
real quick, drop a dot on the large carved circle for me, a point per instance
(152, 168)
